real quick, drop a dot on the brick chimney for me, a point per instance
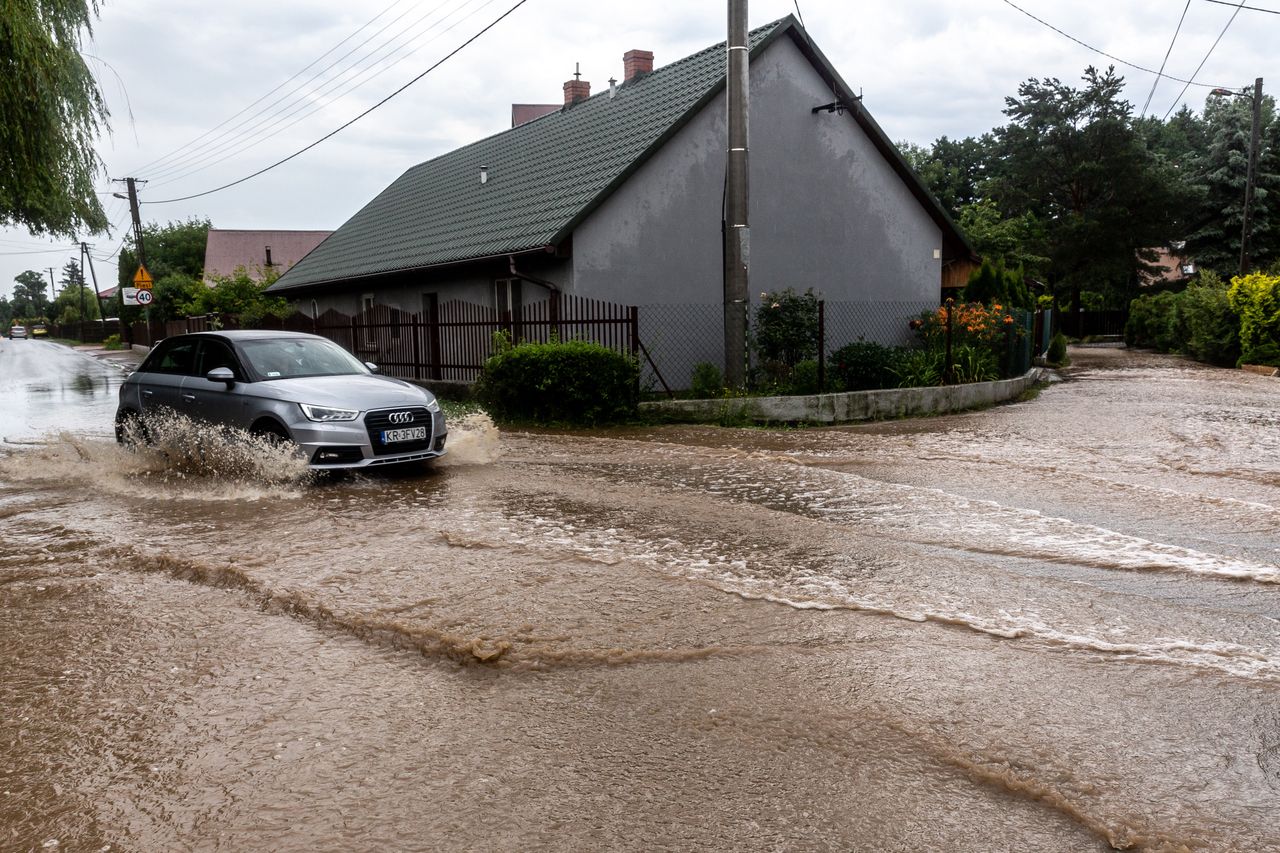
(635, 63)
(576, 90)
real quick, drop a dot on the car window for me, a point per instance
(216, 354)
(176, 357)
(285, 358)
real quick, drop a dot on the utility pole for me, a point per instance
(102, 315)
(1254, 141)
(737, 232)
(132, 184)
(80, 287)
(53, 288)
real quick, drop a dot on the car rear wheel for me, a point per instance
(131, 429)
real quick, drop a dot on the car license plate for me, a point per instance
(392, 436)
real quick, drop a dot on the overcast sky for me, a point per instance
(203, 94)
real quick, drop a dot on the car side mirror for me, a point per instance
(221, 374)
(373, 368)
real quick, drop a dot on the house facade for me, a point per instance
(617, 196)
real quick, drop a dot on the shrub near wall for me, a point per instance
(571, 382)
(1256, 298)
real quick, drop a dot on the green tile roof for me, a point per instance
(544, 177)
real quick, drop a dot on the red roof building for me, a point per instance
(257, 251)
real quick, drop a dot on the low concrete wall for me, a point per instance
(848, 406)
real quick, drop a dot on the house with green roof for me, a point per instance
(618, 195)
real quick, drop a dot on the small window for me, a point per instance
(506, 295)
(179, 358)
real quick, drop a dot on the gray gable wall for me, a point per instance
(827, 210)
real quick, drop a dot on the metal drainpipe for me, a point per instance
(552, 288)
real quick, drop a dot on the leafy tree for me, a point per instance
(30, 295)
(176, 248)
(71, 301)
(238, 294)
(1073, 159)
(1015, 241)
(6, 313)
(50, 114)
(953, 170)
(1219, 176)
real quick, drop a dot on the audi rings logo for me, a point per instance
(400, 417)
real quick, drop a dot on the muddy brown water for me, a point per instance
(1045, 626)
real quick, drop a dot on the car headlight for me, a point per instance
(433, 405)
(326, 413)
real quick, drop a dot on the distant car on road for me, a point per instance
(290, 386)
(17, 332)
(39, 331)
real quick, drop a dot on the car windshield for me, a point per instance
(285, 358)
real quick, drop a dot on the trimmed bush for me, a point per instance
(572, 382)
(1057, 353)
(1154, 322)
(804, 378)
(1212, 326)
(786, 327)
(1256, 298)
(865, 366)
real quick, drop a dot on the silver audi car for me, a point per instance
(294, 387)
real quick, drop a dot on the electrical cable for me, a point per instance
(272, 127)
(302, 94)
(1103, 52)
(344, 126)
(295, 75)
(1212, 48)
(1250, 8)
(1160, 73)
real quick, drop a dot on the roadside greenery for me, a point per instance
(980, 340)
(1222, 323)
(1075, 189)
(561, 382)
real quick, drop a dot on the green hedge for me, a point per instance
(1202, 321)
(573, 382)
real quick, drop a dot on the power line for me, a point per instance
(1160, 73)
(343, 127)
(148, 166)
(1250, 8)
(1103, 52)
(1212, 48)
(271, 125)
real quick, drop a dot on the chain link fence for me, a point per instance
(679, 337)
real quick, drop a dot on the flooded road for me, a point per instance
(1046, 626)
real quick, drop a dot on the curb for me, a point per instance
(850, 406)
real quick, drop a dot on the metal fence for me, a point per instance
(451, 341)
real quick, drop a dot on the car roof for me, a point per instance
(252, 335)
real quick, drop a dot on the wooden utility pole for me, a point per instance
(97, 294)
(132, 184)
(737, 232)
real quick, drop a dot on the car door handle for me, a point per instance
(147, 393)
(188, 398)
